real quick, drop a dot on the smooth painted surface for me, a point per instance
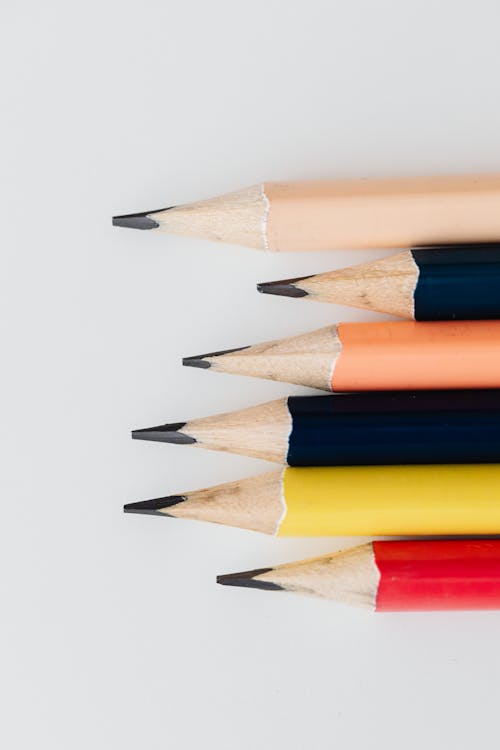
(365, 214)
(409, 355)
(461, 283)
(403, 427)
(428, 575)
(391, 500)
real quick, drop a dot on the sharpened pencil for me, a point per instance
(412, 500)
(401, 427)
(392, 576)
(358, 213)
(445, 283)
(390, 355)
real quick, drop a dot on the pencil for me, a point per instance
(401, 427)
(389, 355)
(359, 213)
(392, 576)
(348, 501)
(461, 282)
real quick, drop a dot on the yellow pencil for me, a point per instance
(349, 500)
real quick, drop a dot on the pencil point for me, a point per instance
(248, 579)
(165, 433)
(196, 361)
(283, 288)
(199, 360)
(139, 221)
(154, 507)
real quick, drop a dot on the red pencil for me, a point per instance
(393, 576)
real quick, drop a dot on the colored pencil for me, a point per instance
(349, 501)
(392, 576)
(460, 282)
(359, 213)
(401, 427)
(390, 355)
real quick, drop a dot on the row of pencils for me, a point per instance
(409, 444)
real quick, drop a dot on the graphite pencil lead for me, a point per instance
(154, 507)
(165, 433)
(140, 220)
(249, 579)
(197, 360)
(201, 360)
(284, 288)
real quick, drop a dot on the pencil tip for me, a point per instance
(283, 288)
(248, 579)
(196, 361)
(154, 507)
(200, 360)
(165, 433)
(139, 221)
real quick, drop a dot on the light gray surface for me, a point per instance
(114, 634)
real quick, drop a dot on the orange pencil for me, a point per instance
(402, 355)
(360, 213)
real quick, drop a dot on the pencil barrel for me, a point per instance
(383, 213)
(406, 355)
(438, 500)
(460, 283)
(438, 575)
(395, 428)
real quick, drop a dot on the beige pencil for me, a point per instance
(325, 215)
(259, 431)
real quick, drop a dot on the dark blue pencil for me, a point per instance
(402, 427)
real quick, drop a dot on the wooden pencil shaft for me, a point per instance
(260, 431)
(254, 503)
(306, 359)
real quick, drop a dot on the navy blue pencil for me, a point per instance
(403, 427)
(455, 282)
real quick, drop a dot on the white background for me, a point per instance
(113, 631)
